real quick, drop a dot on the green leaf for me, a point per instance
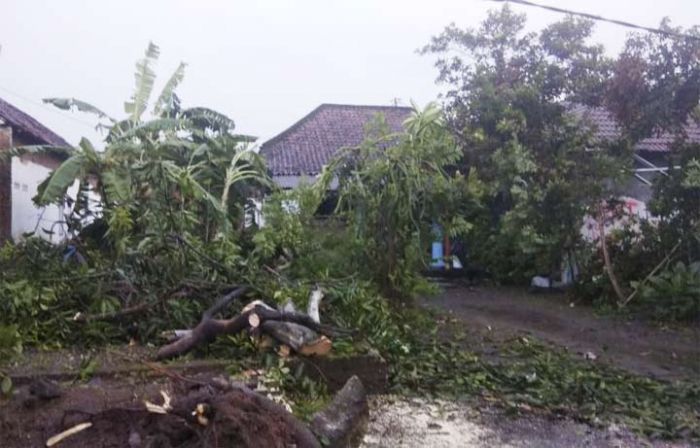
(61, 179)
(71, 104)
(117, 186)
(166, 100)
(153, 127)
(61, 152)
(207, 118)
(144, 77)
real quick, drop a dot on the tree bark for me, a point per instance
(204, 333)
(606, 257)
(302, 332)
(301, 339)
(343, 423)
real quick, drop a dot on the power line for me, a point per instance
(44, 106)
(668, 33)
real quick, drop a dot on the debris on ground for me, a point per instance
(403, 422)
(177, 411)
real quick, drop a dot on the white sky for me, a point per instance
(263, 63)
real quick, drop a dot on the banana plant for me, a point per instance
(176, 163)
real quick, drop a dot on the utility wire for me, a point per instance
(44, 106)
(668, 33)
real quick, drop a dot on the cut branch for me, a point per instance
(344, 421)
(204, 333)
(224, 301)
(314, 303)
(294, 335)
(296, 330)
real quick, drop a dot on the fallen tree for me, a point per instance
(343, 422)
(300, 332)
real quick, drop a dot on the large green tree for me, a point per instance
(655, 88)
(509, 100)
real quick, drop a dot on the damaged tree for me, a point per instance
(343, 422)
(302, 333)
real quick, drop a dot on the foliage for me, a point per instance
(532, 376)
(10, 341)
(674, 294)
(156, 177)
(677, 203)
(655, 88)
(521, 376)
(508, 102)
(160, 219)
(655, 84)
(158, 222)
(393, 189)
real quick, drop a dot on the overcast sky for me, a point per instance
(263, 63)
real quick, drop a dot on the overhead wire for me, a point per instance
(44, 106)
(665, 32)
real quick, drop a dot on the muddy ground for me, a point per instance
(490, 314)
(400, 422)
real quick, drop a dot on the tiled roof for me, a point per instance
(606, 128)
(310, 143)
(24, 124)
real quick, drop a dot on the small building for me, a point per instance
(20, 177)
(303, 149)
(651, 155)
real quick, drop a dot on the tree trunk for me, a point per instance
(606, 257)
(344, 422)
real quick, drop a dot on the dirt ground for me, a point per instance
(204, 412)
(488, 315)
(494, 313)
(399, 422)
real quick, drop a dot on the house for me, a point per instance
(651, 155)
(303, 149)
(20, 177)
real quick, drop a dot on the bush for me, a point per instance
(674, 294)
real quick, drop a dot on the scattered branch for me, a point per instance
(653, 272)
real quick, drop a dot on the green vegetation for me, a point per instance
(508, 97)
(533, 377)
(511, 102)
(163, 223)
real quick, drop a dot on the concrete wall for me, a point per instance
(27, 174)
(291, 182)
(19, 180)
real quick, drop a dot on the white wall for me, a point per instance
(291, 182)
(26, 217)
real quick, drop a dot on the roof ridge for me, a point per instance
(366, 106)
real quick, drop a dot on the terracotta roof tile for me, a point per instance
(607, 128)
(310, 143)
